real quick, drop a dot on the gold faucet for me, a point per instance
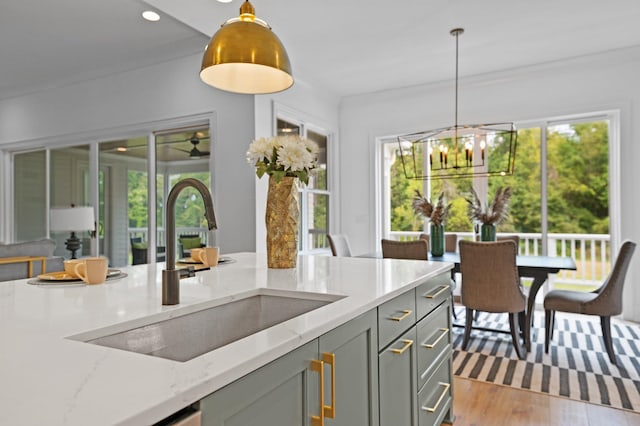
(171, 276)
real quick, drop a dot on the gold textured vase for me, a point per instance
(282, 223)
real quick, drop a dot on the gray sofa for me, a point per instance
(15, 271)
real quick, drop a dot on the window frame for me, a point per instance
(304, 191)
(383, 216)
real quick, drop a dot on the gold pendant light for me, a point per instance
(245, 56)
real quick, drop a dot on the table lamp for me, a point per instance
(72, 219)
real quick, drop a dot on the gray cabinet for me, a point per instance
(415, 375)
(434, 369)
(284, 392)
(342, 363)
(389, 367)
(397, 376)
(354, 346)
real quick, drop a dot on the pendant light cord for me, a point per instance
(456, 32)
(456, 103)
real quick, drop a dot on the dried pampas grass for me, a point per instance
(436, 214)
(494, 213)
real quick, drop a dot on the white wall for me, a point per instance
(588, 84)
(97, 109)
(312, 106)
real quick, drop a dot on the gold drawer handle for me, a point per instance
(445, 331)
(407, 344)
(405, 313)
(330, 410)
(444, 393)
(433, 296)
(318, 367)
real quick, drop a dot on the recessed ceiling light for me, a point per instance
(121, 149)
(225, 1)
(150, 15)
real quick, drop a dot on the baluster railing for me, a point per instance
(591, 252)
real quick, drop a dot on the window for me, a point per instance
(113, 176)
(315, 197)
(29, 195)
(560, 204)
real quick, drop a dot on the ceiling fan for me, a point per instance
(195, 153)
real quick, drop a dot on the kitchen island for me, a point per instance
(51, 377)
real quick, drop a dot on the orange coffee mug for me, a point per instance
(210, 256)
(92, 270)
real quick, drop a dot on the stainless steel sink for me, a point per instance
(188, 336)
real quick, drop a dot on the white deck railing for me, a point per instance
(591, 252)
(160, 234)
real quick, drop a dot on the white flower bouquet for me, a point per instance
(284, 156)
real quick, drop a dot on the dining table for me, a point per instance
(536, 267)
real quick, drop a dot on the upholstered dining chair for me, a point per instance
(490, 283)
(416, 249)
(425, 237)
(339, 245)
(604, 302)
(513, 238)
(450, 241)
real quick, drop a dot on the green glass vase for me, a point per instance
(487, 232)
(436, 240)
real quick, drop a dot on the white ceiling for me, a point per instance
(344, 46)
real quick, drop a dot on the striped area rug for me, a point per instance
(576, 367)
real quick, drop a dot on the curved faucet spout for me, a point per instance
(170, 276)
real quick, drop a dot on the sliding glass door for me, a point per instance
(182, 154)
(69, 183)
(126, 204)
(113, 177)
(123, 201)
(560, 204)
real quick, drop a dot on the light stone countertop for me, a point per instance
(50, 379)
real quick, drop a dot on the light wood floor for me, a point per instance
(479, 403)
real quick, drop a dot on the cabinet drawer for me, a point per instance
(434, 341)
(397, 382)
(396, 316)
(435, 397)
(432, 293)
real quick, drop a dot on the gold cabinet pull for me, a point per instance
(445, 390)
(407, 344)
(405, 313)
(318, 367)
(444, 331)
(330, 410)
(437, 293)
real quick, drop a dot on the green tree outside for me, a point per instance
(577, 190)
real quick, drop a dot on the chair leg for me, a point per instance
(522, 317)
(467, 327)
(453, 307)
(513, 326)
(548, 328)
(476, 316)
(605, 322)
(453, 287)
